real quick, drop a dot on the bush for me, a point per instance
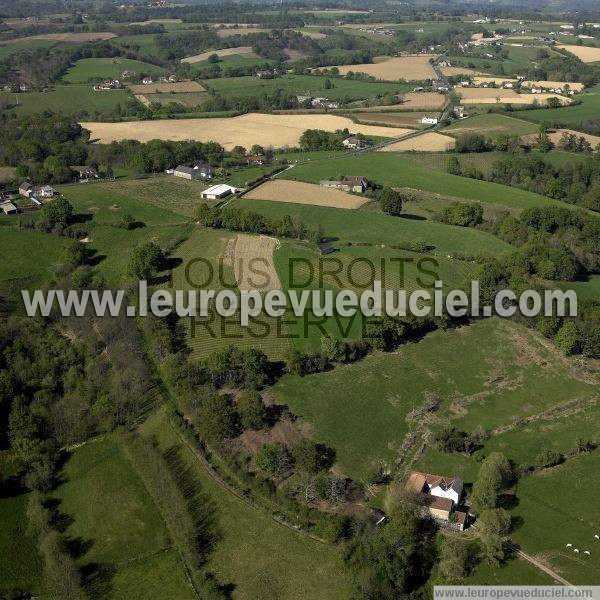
(312, 457)
(547, 458)
(462, 214)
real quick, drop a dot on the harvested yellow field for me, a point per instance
(502, 96)
(453, 71)
(368, 25)
(585, 54)
(252, 128)
(178, 87)
(253, 263)
(231, 31)
(428, 142)
(243, 50)
(425, 100)
(495, 80)
(578, 87)
(299, 192)
(409, 68)
(64, 37)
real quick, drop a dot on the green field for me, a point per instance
(374, 227)
(125, 547)
(28, 256)
(73, 100)
(105, 208)
(367, 430)
(18, 46)
(305, 85)
(20, 563)
(234, 61)
(144, 43)
(588, 289)
(257, 556)
(571, 116)
(491, 125)
(93, 69)
(392, 169)
(554, 509)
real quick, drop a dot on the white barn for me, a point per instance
(215, 192)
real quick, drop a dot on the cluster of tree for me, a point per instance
(179, 44)
(573, 143)
(306, 456)
(252, 222)
(472, 142)
(463, 214)
(574, 182)
(272, 46)
(42, 146)
(317, 139)
(449, 439)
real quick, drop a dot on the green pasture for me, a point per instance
(491, 125)
(114, 521)
(93, 69)
(257, 556)
(305, 85)
(73, 100)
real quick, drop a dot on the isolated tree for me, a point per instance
(495, 474)
(75, 254)
(390, 201)
(453, 165)
(59, 211)
(217, 418)
(567, 338)
(494, 521)
(145, 260)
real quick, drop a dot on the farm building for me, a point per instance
(204, 170)
(35, 191)
(357, 184)
(8, 208)
(88, 173)
(429, 120)
(439, 496)
(217, 192)
(354, 143)
(186, 172)
(25, 189)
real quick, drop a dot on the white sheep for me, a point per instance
(576, 550)
(569, 545)
(597, 537)
(586, 552)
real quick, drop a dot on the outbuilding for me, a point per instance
(218, 191)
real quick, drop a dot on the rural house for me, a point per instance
(354, 143)
(429, 120)
(265, 74)
(216, 192)
(25, 189)
(204, 170)
(86, 173)
(357, 184)
(186, 172)
(439, 497)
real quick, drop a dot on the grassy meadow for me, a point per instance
(92, 69)
(258, 557)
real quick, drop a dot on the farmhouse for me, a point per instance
(25, 189)
(265, 74)
(439, 496)
(86, 173)
(429, 120)
(186, 172)
(354, 143)
(357, 184)
(204, 170)
(35, 191)
(217, 192)
(109, 84)
(147, 80)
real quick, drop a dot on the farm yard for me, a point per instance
(298, 192)
(407, 68)
(252, 128)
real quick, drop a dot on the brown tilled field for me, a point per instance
(409, 68)
(254, 253)
(428, 142)
(299, 192)
(252, 128)
(452, 71)
(172, 88)
(243, 50)
(585, 54)
(423, 100)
